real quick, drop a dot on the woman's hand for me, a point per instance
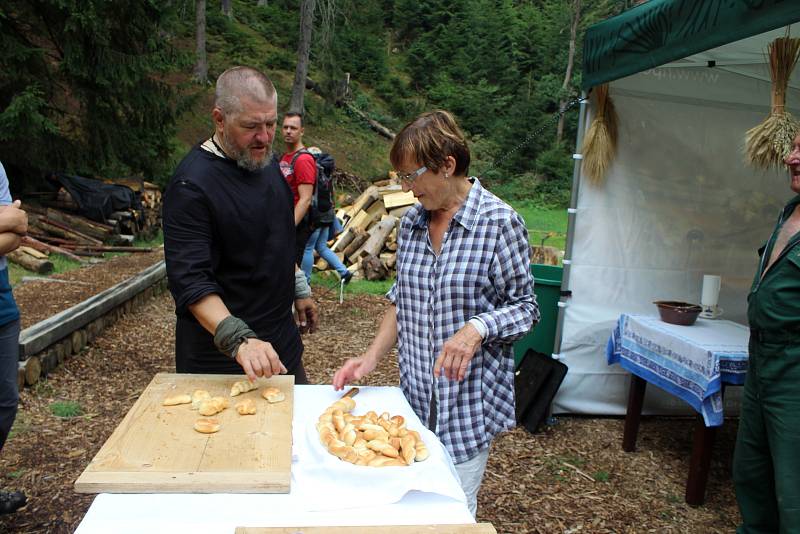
(353, 370)
(457, 353)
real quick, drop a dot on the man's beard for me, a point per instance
(243, 157)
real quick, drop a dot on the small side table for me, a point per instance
(693, 363)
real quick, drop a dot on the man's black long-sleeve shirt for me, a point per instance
(231, 232)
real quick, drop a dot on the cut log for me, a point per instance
(373, 268)
(81, 224)
(67, 228)
(399, 212)
(399, 200)
(48, 360)
(355, 244)
(377, 239)
(48, 228)
(45, 247)
(389, 259)
(362, 221)
(375, 125)
(33, 370)
(104, 248)
(32, 252)
(364, 200)
(389, 189)
(376, 210)
(30, 263)
(343, 240)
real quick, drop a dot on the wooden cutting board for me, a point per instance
(474, 528)
(155, 448)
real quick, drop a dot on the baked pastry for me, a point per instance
(213, 406)
(370, 439)
(242, 386)
(175, 400)
(246, 407)
(273, 395)
(199, 396)
(206, 426)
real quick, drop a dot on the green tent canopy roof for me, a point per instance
(661, 31)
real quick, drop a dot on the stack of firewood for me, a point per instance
(51, 230)
(368, 242)
(143, 223)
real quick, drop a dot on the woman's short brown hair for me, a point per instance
(430, 139)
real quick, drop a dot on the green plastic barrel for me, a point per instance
(547, 286)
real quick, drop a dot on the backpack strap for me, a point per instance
(315, 194)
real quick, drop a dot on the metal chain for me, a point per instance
(557, 115)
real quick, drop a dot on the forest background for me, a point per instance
(117, 89)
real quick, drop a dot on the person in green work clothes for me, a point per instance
(766, 464)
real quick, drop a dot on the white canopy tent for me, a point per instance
(679, 201)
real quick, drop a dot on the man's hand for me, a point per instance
(306, 315)
(354, 369)
(457, 353)
(13, 219)
(258, 358)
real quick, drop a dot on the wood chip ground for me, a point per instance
(572, 478)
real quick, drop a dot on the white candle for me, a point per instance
(711, 285)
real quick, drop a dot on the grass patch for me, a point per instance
(61, 264)
(43, 388)
(16, 474)
(154, 242)
(601, 476)
(545, 224)
(66, 409)
(378, 287)
(20, 426)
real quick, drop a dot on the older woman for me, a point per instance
(463, 293)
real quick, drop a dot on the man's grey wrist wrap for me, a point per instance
(301, 288)
(230, 333)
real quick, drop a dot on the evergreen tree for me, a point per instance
(83, 87)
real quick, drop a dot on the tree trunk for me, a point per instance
(226, 8)
(303, 50)
(201, 65)
(573, 32)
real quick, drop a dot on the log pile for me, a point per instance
(368, 243)
(144, 223)
(55, 231)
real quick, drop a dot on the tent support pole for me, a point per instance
(573, 203)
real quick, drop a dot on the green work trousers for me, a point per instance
(766, 464)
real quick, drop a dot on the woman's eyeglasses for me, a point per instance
(410, 177)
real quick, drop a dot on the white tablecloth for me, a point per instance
(308, 504)
(690, 362)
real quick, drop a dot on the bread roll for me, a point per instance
(206, 426)
(349, 434)
(242, 386)
(213, 406)
(383, 461)
(176, 400)
(383, 448)
(273, 395)
(422, 451)
(338, 420)
(408, 448)
(199, 396)
(246, 407)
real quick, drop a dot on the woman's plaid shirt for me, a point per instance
(483, 271)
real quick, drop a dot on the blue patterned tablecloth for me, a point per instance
(690, 362)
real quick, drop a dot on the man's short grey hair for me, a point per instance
(238, 82)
